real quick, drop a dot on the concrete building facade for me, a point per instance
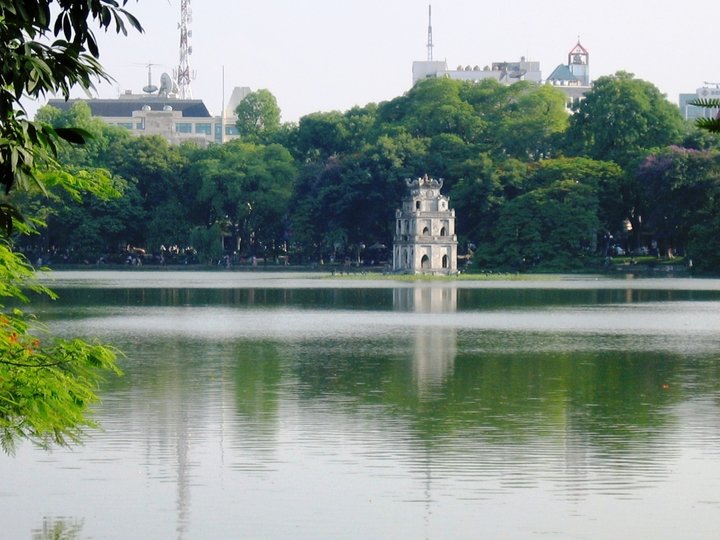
(177, 120)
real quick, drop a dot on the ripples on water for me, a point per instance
(387, 416)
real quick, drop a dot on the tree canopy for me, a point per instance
(514, 160)
(258, 115)
(620, 118)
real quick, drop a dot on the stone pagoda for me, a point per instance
(425, 240)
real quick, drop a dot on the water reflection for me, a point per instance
(434, 348)
(329, 412)
(58, 529)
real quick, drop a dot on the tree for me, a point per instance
(245, 188)
(349, 199)
(46, 383)
(155, 169)
(478, 195)
(99, 136)
(622, 117)
(85, 231)
(605, 177)
(258, 116)
(322, 135)
(533, 122)
(207, 242)
(678, 202)
(548, 228)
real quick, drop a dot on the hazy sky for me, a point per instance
(321, 55)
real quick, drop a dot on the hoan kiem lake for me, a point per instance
(285, 405)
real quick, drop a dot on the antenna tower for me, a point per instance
(183, 70)
(430, 43)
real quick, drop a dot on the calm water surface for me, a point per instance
(281, 406)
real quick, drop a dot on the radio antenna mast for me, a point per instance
(430, 43)
(182, 75)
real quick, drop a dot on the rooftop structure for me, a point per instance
(183, 73)
(573, 78)
(177, 120)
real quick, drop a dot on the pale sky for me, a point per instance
(323, 55)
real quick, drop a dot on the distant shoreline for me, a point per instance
(366, 272)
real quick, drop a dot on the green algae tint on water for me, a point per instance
(296, 406)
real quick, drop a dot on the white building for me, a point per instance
(425, 239)
(177, 120)
(691, 112)
(503, 72)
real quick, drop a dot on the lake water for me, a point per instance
(277, 406)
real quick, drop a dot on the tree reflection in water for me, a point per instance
(59, 528)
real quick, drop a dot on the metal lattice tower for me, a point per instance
(182, 75)
(430, 43)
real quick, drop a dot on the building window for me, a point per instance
(425, 262)
(126, 125)
(426, 231)
(183, 127)
(445, 261)
(443, 232)
(417, 205)
(140, 125)
(231, 130)
(205, 129)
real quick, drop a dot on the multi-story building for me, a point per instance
(177, 120)
(691, 112)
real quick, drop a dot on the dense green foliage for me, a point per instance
(258, 115)
(534, 186)
(621, 118)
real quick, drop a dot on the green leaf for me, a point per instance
(67, 27)
(711, 103)
(92, 45)
(132, 20)
(710, 124)
(8, 215)
(74, 135)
